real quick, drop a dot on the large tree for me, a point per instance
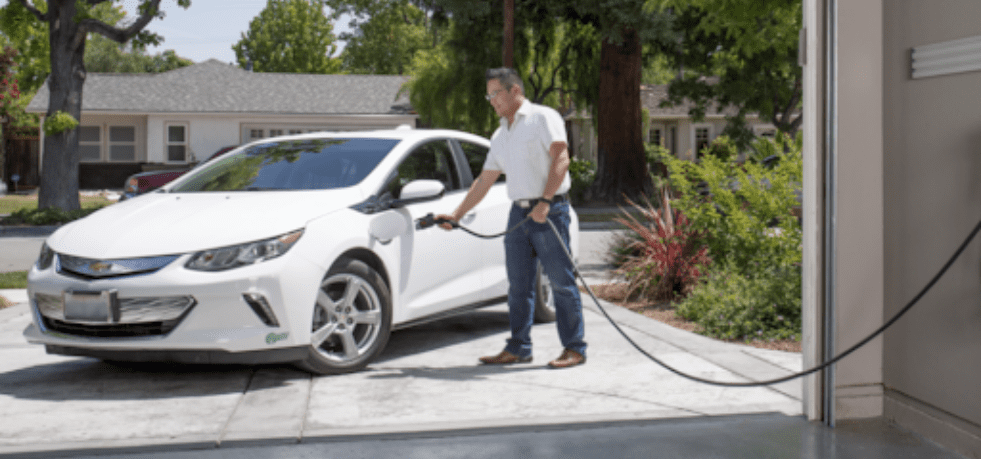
(69, 24)
(386, 35)
(289, 36)
(738, 53)
(624, 27)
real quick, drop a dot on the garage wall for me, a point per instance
(858, 270)
(932, 168)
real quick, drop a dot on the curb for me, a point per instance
(27, 231)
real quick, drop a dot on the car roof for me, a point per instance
(398, 134)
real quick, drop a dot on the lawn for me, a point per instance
(16, 279)
(12, 203)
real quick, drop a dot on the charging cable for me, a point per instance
(435, 221)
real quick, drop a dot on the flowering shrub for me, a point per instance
(668, 256)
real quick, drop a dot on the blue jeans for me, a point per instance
(521, 249)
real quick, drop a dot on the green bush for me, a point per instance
(746, 214)
(582, 173)
(730, 305)
(58, 123)
(764, 148)
(49, 216)
(721, 148)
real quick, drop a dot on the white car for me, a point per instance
(301, 249)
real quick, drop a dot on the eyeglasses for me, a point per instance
(492, 95)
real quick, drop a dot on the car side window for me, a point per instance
(429, 161)
(476, 155)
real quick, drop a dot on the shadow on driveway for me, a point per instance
(87, 379)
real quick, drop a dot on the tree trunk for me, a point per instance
(59, 166)
(509, 33)
(622, 169)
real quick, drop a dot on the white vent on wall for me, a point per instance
(948, 57)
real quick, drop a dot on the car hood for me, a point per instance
(170, 224)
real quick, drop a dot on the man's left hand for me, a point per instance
(540, 213)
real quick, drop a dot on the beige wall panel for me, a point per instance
(932, 167)
(859, 212)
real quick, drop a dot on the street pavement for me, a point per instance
(426, 383)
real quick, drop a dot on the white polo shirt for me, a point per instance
(521, 151)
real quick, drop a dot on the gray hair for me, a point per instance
(507, 76)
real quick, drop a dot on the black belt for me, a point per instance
(527, 203)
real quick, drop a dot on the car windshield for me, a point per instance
(303, 164)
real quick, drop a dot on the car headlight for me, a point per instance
(46, 257)
(224, 258)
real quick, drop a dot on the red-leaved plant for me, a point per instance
(669, 256)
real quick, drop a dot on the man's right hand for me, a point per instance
(446, 226)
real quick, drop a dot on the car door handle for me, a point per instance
(468, 218)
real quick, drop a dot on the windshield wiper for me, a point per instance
(259, 188)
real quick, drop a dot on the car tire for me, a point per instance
(351, 320)
(544, 299)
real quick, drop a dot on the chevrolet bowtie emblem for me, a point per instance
(100, 266)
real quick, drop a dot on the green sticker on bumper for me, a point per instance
(273, 337)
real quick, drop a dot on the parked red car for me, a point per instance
(145, 182)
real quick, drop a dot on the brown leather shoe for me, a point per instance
(569, 358)
(504, 358)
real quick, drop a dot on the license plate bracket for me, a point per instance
(91, 306)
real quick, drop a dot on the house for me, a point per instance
(671, 127)
(136, 122)
(674, 129)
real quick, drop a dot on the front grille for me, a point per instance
(139, 316)
(90, 269)
(111, 330)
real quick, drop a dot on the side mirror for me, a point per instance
(420, 191)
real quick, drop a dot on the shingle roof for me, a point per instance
(216, 87)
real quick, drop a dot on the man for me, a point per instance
(530, 147)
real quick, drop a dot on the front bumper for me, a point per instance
(216, 323)
(193, 357)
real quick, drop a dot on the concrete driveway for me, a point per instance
(427, 380)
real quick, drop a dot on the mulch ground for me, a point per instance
(665, 313)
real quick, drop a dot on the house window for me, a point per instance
(255, 134)
(296, 131)
(177, 142)
(275, 132)
(122, 143)
(90, 143)
(654, 136)
(703, 136)
(765, 131)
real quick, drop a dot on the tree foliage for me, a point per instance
(107, 56)
(555, 57)
(386, 35)
(750, 48)
(289, 36)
